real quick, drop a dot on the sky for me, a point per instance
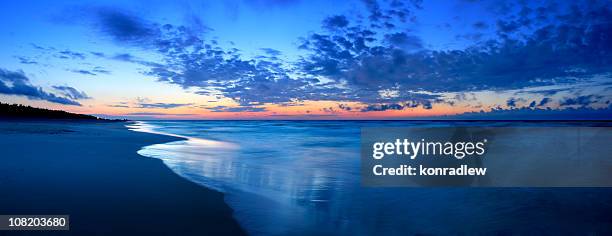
(295, 59)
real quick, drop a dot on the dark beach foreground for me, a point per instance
(91, 171)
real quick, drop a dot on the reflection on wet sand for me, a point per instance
(284, 177)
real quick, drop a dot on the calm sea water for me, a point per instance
(302, 178)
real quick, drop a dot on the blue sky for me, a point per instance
(309, 59)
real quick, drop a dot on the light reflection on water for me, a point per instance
(283, 177)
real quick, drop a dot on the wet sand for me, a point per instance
(91, 171)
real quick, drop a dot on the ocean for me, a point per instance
(303, 178)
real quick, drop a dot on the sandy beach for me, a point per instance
(91, 171)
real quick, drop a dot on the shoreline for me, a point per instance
(312, 182)
(92, 172)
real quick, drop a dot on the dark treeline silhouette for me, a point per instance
(17, 111)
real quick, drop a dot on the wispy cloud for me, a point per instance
(378, 60)
(163, 105)
(16, 83)
(154, 114)
(25, 60)
(360, 59)
(83, 72)
(237, 109)
(71, 92)
(68, 54)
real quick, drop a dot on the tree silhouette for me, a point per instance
(18, 111)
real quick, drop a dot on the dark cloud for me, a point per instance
(374, 9)
(271, 52)
(128, 28)
(396, 106)
(404, 41)
(71, 92)
(202, 64)
(124, 26)
(95, 71)
(67, 54)
(532, 104)
(511, 102)
(237, 109)
(119, 106)
(391, 11)
(582, 101)
(333, 22)
(383, 107)
(357, 62)
(538, 114)
(98, 54)
(124, 57)
(329, 110)
(83, 72)
(345, 107)
(475, 37)
(16, 83)
(544, 101)
(163, 105)
(191, 61)
(101, 70)
(154, 114)
(36, 46)
(127, 57)
(25, 60)
(480, 25)
(507, 27)
(416, 3)
(546, 92)
(564, 51)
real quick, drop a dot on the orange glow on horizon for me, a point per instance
(316, 110)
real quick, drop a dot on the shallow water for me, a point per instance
(302, 177)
